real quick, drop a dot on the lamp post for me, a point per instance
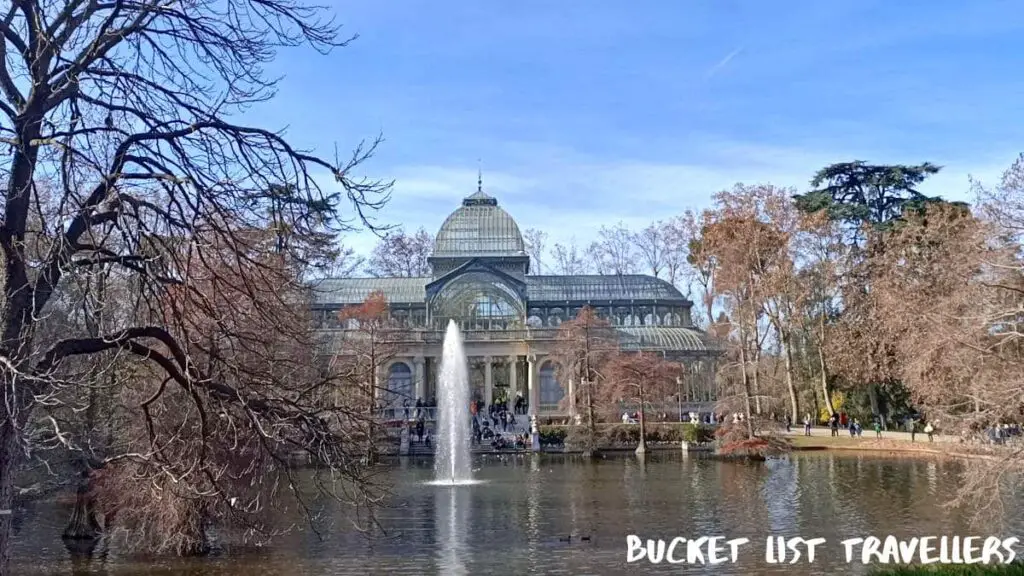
(679, 395)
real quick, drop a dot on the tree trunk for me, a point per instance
(591, 449)
(793, 403)
(642, 446)
(826, 393)
(876, 405)
(9, 455)
(757, 376)
(746, 385)
(83, 524)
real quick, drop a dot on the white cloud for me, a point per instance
(570, 196)
(722, 63)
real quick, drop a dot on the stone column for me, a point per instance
(532, 386)
(488, 382)
(513, 379)
(420, 383)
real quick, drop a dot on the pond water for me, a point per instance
(516, 521)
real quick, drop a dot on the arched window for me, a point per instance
(551, 392)
(556, 315)
(478, 301)
(534, 322)
(399, 383)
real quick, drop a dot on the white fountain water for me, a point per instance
(452, 465)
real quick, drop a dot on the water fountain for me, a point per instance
(452, 465)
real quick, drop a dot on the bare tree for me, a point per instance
(126, 150)
(401, 254)
(675, 253)
(569, 259)
(535, 241)
(702, 266)
(346, 263)
(651, 243)
(614, 252)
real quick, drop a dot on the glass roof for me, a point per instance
(479, 228)
(595, 288)
(576, 289)
(664, 338)
(332, 291)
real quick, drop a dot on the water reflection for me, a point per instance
(531, 513)
(451, 511)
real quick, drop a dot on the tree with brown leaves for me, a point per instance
(746, 250)
(950, 286)
(819, 244)
(362, 353)
(640, 377)
(584, 345)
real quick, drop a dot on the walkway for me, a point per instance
(869, 434)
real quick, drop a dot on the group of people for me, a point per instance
(1001, 433)
(487, 420)
(419, 431)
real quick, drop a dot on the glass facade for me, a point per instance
(477, 301)
(479, 278)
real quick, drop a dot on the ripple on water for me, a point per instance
(454, 483)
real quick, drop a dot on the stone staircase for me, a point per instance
(521, 426)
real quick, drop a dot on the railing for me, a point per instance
(411, 413)
(671, 409)
(427, 336)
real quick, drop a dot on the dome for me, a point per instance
(479, 228)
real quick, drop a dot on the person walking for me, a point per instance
(807, 425)
(878, 429)
(930, 431)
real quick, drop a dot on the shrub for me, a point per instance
(697, 433)
(733, 440)
(552, 435)
(1016, 569)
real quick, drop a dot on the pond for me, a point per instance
(517, 521)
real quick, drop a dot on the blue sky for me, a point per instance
(590, 112)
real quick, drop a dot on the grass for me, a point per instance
(1016, 569)
(844, 441)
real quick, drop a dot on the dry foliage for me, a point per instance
(582, 350)
(641, 378)
(126, 158)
